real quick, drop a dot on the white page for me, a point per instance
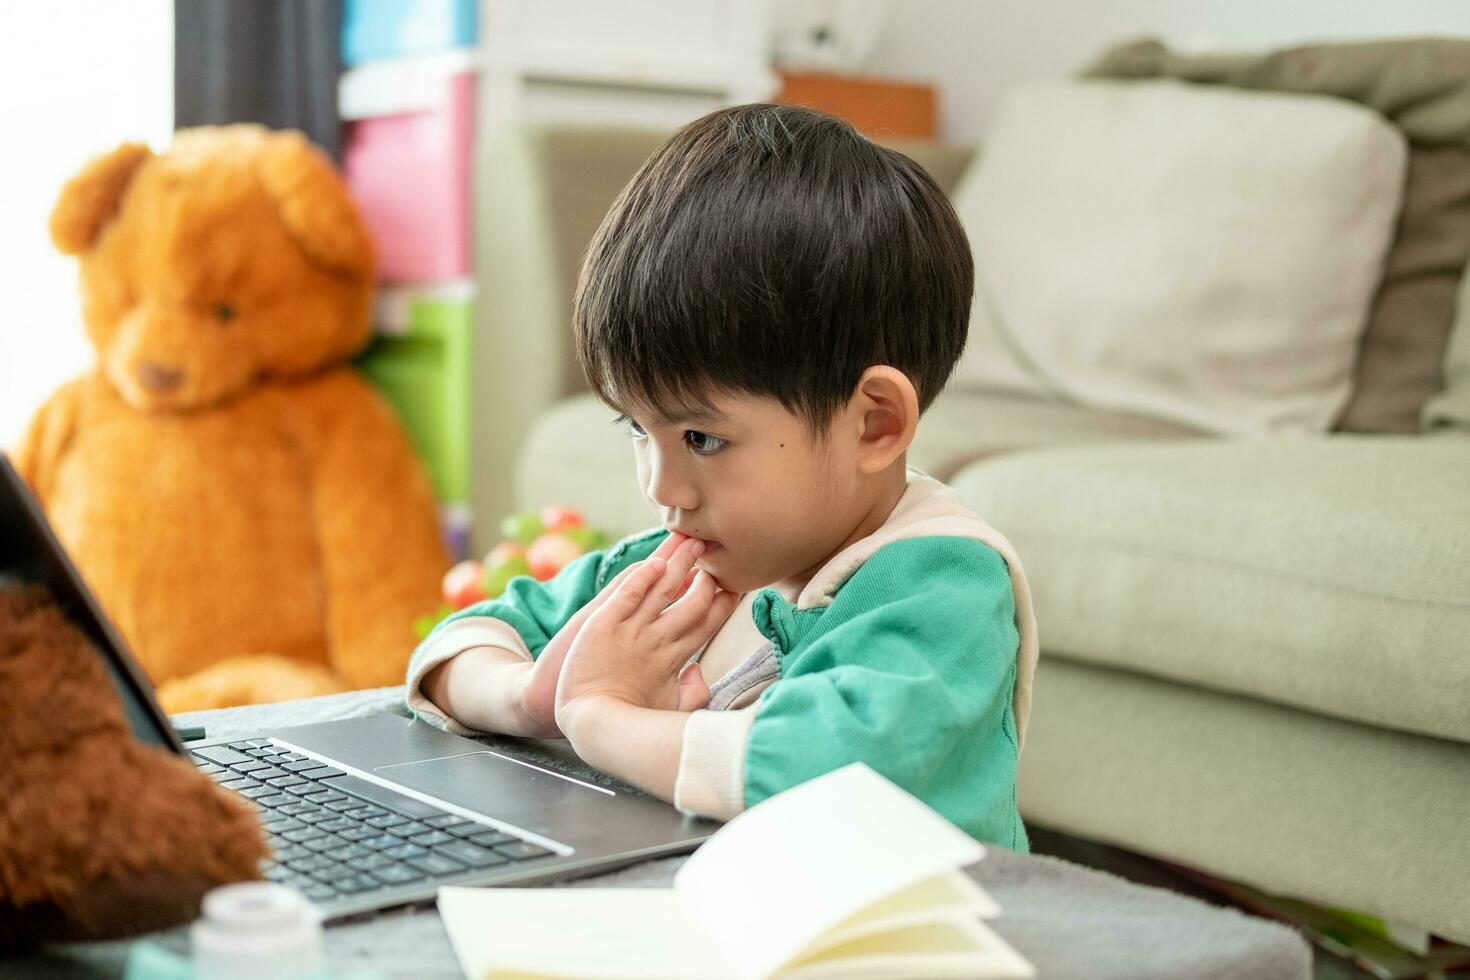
(962, 949)
(787, 870)
(951, 897)
(604, 933)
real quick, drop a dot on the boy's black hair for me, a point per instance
(772, 250)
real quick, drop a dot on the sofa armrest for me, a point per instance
(1328, 573)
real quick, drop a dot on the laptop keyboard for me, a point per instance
(336, 836)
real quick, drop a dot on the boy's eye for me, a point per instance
(634, 428)
(704, 443)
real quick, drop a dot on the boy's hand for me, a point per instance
(538, 697)
(633, 646)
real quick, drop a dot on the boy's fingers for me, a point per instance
(686, 613)
(720, 609)
(678, 567)
(693, 691)
(641, 579)
(668, 545)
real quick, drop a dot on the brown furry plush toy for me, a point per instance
(100, 836)
(246, 508)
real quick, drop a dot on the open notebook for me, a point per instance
(845, 875)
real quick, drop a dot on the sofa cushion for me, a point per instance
(1422, 86)
(573, 455)
(1202, 255)
(1329, 573)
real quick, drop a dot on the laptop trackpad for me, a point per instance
(495, 785)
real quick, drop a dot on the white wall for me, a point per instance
(975, 49)
(77, 77)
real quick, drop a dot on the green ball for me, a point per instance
(524, 526)
(587, 538)
(497, 578)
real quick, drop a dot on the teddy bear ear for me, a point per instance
(314, 204)
(90, 199)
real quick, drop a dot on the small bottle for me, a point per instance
(257, 930)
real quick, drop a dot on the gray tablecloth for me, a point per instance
(1068, 920)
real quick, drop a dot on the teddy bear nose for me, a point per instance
(159, 378)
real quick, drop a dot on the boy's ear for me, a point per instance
(887, 407)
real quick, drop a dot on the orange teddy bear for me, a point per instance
(247, 509)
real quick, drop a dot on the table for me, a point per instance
(1068, 920)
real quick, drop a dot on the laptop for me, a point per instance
(370, 813)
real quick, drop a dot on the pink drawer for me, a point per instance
(410, 173)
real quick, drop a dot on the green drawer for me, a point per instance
(424, 370)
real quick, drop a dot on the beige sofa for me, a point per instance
(1256, 652)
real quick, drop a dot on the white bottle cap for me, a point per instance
(257, 930)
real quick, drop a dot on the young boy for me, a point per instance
(770, 305)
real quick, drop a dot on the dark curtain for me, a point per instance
(274, 62)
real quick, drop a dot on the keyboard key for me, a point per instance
(403, 851)
(257, 791)
(387, 820)
(308, 864)
(301, 763)
(252, 765)
(221, 754)
(242, 745)
(431, 838)
(326, 772)
(521, 851)
(370, 862)
(291, 809)
(337, 823)
(269, 772)
(303, 788)
(464, 828)
(319, 892)
(281, 782)
(325, 796)
(302, 835)
(341, 806)
(382, 842)
(435, 864)
(358, 833)
(322, 844)
(442, 820)
(274, 800)
(364, 812)
(346, 852)
(209, 768)
(260, 753)
(224, 775)
(286, 851)
(491, 837)
(279, 825)
(408, 829)
(240, 782)
(397, 874)
(357, 883)
(332, 872)
(315, 815)
(475, 857)
(278, 873)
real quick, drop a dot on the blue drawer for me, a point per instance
(373, 29)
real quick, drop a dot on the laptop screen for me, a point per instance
(30, 554)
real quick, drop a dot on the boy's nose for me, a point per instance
(669, 493)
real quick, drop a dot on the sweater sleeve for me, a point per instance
(522, 620)
(911, 670)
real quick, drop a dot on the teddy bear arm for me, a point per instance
(378, 531)
(46, 439)
(250, 679)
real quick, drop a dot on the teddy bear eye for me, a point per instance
(225, 312)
